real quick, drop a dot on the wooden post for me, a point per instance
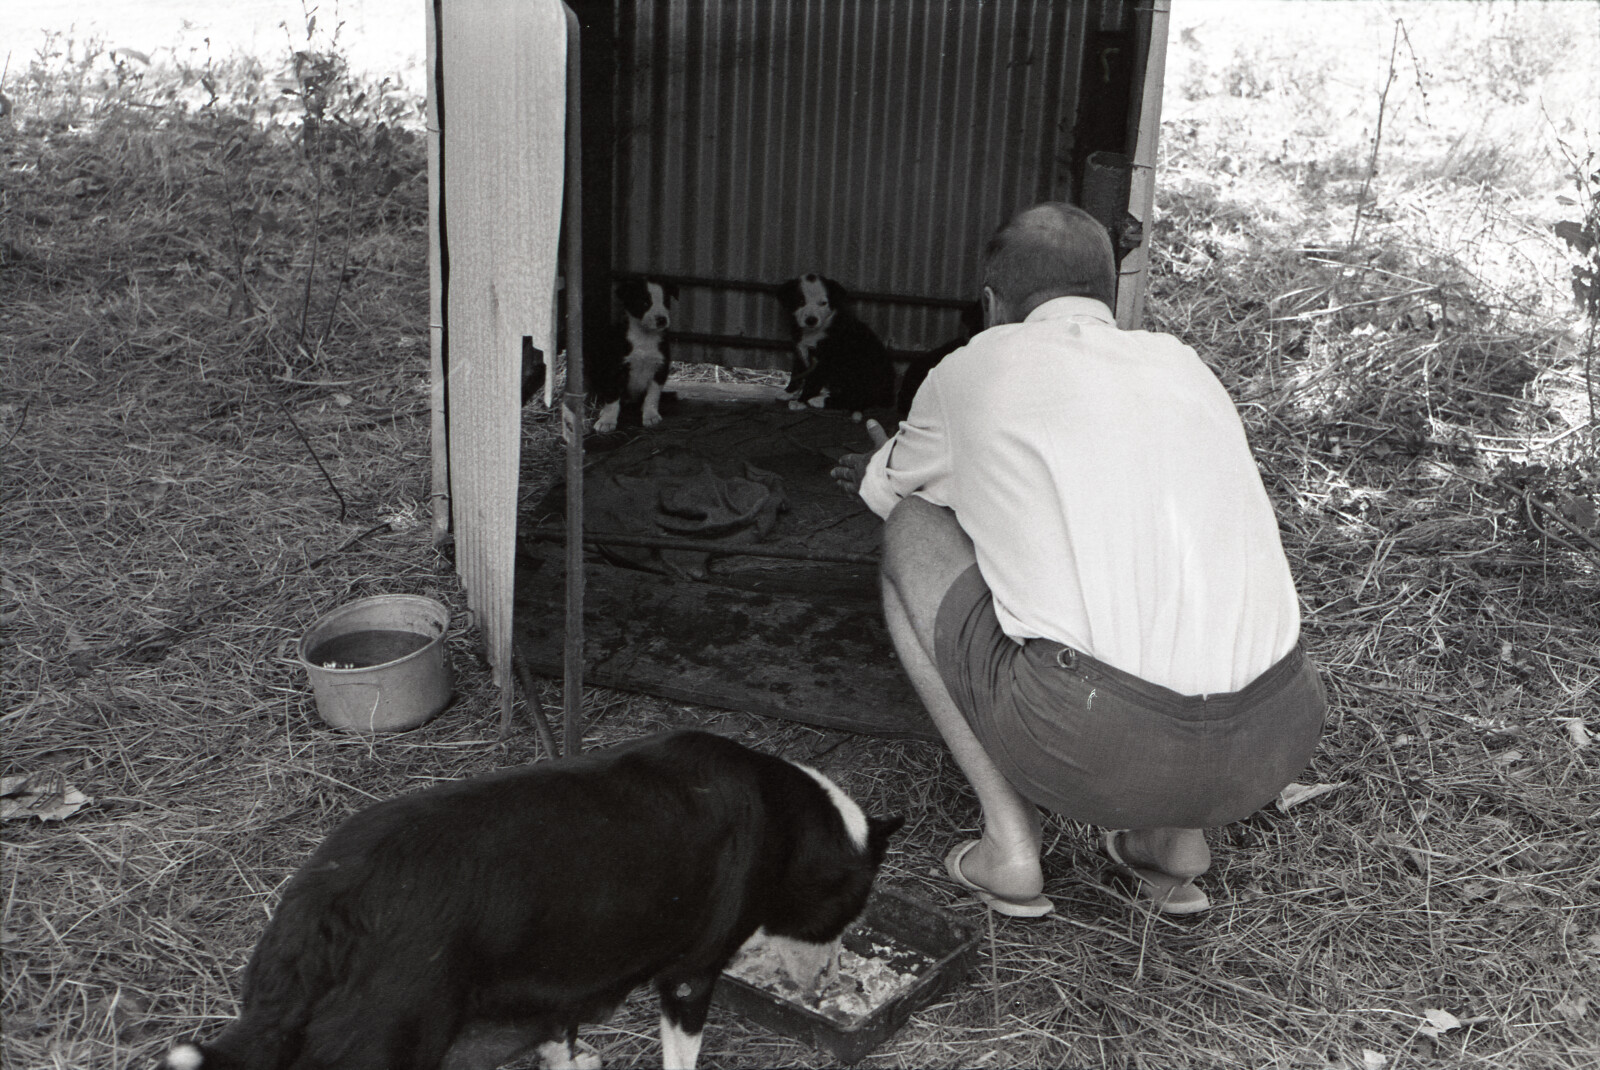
(572, 405)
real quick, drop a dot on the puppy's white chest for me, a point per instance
(644, 358)
(806, 346)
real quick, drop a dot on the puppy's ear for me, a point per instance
(669, 291)
(630, 290)
(837, 294)
(788, 292)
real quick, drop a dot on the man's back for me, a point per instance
(1107, 486)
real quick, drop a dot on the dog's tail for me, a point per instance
(266, 1035)
(194, 1057)
(230, 1051)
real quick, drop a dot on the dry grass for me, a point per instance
(188, 483)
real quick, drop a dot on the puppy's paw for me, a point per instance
(819, 401)
(796, 406)
(650, 419)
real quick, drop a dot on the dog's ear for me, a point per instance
(879, 829)
(669, 291)
(630, 290)
(789, 293)
(837, 294)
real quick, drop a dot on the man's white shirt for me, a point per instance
(1106, 482)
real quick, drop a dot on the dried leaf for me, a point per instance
(1438, 1022)
(1581, 512)
(1295, 794)
(1573, 1008)
(1574, 235)
(1577, 731)
(45, 795)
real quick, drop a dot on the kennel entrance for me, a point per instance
(741, 143)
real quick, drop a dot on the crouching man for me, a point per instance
(1083, 578)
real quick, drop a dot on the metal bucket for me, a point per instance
(378, 664)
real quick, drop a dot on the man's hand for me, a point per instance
(852, 466)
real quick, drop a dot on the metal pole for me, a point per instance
(572, 409)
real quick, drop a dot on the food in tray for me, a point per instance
(847, 986)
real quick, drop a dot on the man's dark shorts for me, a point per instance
(1098, 745)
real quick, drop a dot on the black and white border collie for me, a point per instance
(531, 900)
(839, 362)
(632, 361)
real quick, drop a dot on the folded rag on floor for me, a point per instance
(704, 505)
(709, 506)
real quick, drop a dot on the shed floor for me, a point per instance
(796, 638)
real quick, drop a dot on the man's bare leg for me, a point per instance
(924, 552)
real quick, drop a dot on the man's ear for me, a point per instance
(994, 310)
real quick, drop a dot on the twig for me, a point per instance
(994, 969)
(343, 508)
(21, 420)
(344, 265)
(1377, 137)
(530, 698)
(1316, 313)
(1530, 503)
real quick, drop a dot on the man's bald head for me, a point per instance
(1053, 249)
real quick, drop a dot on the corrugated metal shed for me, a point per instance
(879, 142)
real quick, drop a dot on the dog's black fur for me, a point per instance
(916, 367)
(839, 362)
(632, 361)
(542, 896)
(534, 370)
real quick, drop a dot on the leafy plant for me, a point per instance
(1582, 238)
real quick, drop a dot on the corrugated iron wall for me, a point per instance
(876, 141)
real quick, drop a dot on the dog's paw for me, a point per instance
(605, 425)
(819, 401)
(796, 406)
(650, 419)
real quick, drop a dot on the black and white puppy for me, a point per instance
(531, 900)
(632, 361)
(839, 362)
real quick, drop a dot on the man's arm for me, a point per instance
(917, 459)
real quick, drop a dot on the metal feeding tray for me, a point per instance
(907, 934)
